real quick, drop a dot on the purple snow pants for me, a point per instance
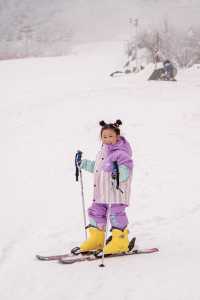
(97, 213)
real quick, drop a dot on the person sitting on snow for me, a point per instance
(169, 69)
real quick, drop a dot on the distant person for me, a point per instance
(169, 70)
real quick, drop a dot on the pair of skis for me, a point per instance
(77, 256)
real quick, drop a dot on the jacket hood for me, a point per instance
(122, 145)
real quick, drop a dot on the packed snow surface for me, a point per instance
(49, 108)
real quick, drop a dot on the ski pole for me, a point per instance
(115, 179)
(78, 157)
(106, 234)
(78, 173)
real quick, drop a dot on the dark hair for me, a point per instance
(167, 61)
(113, 126)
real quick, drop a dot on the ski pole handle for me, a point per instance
(78, 157)
(115, 173)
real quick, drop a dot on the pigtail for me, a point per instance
(118, 123)
(102, 123)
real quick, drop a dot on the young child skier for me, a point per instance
(115, 148)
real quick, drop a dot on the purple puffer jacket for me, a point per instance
(120, 152)
(104, 192)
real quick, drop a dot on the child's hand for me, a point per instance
(83, 164)
(87, 165)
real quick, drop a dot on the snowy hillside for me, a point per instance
(51, 107)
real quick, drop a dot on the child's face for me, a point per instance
(109, 136)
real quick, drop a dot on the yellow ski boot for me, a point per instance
(119, 242)
(95, 240)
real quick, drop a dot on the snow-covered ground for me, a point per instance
(51, 107)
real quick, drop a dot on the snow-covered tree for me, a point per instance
(30, 30)
(166, 42)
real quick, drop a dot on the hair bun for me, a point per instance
(102, 123)
(118, 123)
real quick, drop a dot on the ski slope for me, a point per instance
(51, 107)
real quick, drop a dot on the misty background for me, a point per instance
(53, 27)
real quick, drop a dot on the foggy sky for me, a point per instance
(101, 19)
(109, 18)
